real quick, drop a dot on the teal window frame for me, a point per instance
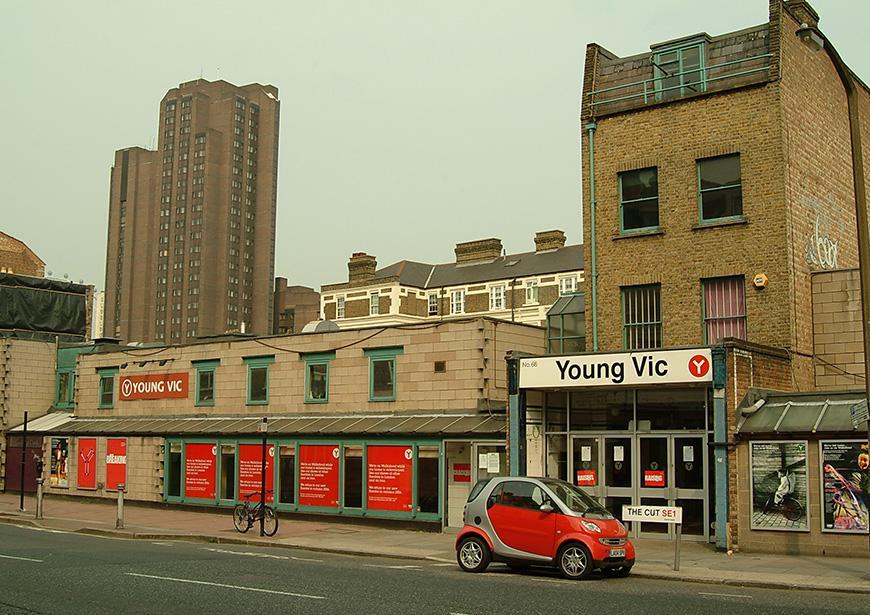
(623, 203)
(203, 367)
(376, 355)
(702, 191)
(65, 399)
(261, 362)
(106, 374)
(647, 323)
(312, 359)
(678, 91)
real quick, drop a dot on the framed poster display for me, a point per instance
(778, 485)
(844, 485)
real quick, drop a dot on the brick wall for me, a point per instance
(838, 344)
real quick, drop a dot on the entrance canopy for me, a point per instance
(768, 412)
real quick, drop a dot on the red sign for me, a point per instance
(653, 478)
(154, 386)
(699, 365)
(87, 463)
(461, 472)
(251, 470)
(116, 463)
(390, 477)
(318, 475)
(200, 463)
(587, 478)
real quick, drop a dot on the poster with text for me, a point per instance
(844, 486)
(390, 478)
(251, 471)
(59, 458)
(200, 464)
(116, 463)
(87, 463)
(778, 485)
(318, 475)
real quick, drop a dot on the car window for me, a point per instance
(521, 494)
(575, 498)
(478, 487)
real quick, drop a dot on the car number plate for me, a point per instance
(617, 553)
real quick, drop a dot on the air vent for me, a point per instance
(440, 367)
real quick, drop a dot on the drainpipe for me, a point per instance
(590, 128)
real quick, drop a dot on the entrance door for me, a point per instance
(617, 488)
(689, 491)
(654, 479)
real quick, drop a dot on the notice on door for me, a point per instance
(688, 454)
(318, 475)
(585, 453)
(653, 478)
(116, 463)
(618, 453)
(390, 475)
(87, 463)
(461, 472)
(199, 470)
(587, 478)
(251, 470)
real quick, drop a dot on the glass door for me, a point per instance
(654, 479)
(585, 465)
(689, 490)
(617, 487)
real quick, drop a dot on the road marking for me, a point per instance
(248, 553)
(437, 565)
(250, 589)
(45, 529)
(305, 559)
(162, 544)
(725, 595)
(23, 559)
(406, 567)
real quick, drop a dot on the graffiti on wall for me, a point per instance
(820, 249)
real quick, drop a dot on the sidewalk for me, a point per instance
(699, 563)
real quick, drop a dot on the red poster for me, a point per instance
(87, 463)
(116, 463)
(390, 477)
(461, 472)
(653, 478)
(199, 470)
(251, 470)
(587, 478)
(154, 386)
(318, 475)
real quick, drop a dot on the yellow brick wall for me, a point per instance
(837, 333)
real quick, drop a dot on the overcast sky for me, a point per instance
(406, 125)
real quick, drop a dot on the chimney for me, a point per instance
(549, 240)
(478, 250)
(804, 13)
(361, 267)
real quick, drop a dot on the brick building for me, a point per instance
(294, 307)
(191, 234)
(16, 257)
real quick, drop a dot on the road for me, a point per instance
(44, 571)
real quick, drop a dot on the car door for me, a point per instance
(515, 514)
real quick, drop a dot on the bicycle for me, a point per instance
(789, 506)
(246, 514)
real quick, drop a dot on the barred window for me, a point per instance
(642, 317)
(724, 309)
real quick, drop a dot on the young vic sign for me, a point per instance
(625, 368)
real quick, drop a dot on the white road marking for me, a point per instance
(162, 544)
(248, 553)
(305, 559)
(407, 567)
(209, 583)
(45, 529)
(440, 559)
(23, 559)
(725, 595)
(437, 565)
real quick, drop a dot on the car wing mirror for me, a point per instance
(546, 508)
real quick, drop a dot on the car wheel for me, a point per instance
(473, 554)
(621, 572)
(574, 561)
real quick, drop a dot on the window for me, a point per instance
(433, 304)
(65, 386)
(339, 307)
(724, 309)
(457, 302)
(382, 373)
(720, 194)
(520, 495)
(679, 72)
(374, 303)
(641, 317)
(205, 380)
(258, 379)
(496, 298)
(532, 291)
(567, 286)
(566, 325)
(639, 200)
(107, 387)
(317, 377)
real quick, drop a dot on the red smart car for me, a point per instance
(525, 521)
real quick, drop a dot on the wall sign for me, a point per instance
(154, 386)
(199, 470)
(87, 463)
(389, 477)
(625, 368)
(116, 463)
(251, 470)
(318, 475)
(654, 514)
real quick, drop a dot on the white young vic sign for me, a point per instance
(624, 368)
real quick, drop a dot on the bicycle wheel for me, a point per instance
(792, 509)
(241, 518)
(270, 521)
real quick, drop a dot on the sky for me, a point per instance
(407, 126)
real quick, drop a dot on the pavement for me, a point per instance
(655, 558)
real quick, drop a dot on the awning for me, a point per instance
(798, 413)
(417, 425)
(45, 423)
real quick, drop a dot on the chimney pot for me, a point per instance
(361, 267)
(549, 240)
(478, 250)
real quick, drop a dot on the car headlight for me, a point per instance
(591, 527)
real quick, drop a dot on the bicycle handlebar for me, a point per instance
(250, 495)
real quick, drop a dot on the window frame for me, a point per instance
(562, 291)
(494, 297)
(701, 191)
(67, 398)
(461, 303)
(374, 303)
(530, 285)
(106, 374)
(622, 203)
(705, 319)
(432, 304)
(389, 355)
(339, 306)
(252, 363)
(202, 367)
(311, 360)
(638, 325)
(679, 91)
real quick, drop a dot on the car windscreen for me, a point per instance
(576, 499)
(478, 487)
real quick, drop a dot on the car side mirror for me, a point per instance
(546, 508)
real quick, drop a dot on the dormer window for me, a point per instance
(679, 70)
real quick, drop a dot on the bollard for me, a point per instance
(677, 548)
(39, 494)
(119, 522)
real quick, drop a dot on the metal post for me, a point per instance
(263, 476)
(39, 494)
(23, 465)
(119, 522)
(677, 548)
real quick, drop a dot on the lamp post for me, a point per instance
(814, 39)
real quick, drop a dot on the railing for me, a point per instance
(650, 89)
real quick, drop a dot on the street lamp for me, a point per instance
(816, 41)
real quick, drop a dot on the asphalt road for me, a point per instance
(54, 572)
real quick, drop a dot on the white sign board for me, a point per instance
(624, 368)
(653, 514)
